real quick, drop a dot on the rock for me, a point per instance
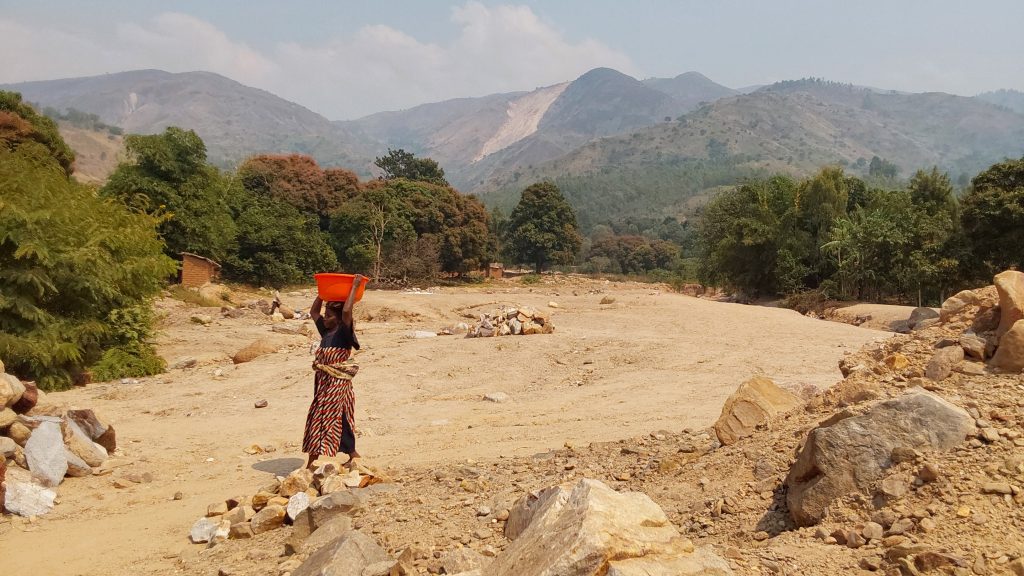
(1010, 288)
(183, 363)
(1016, 567)
(848, 456)
(296, 504)
(83, 446)
(7, 417)
(286, 312)
(269, 518)
(253, 351)
(216, 509)
(973, 345)
(384, 568)
(872, 531)
(221, 533)
(1009, 357)
(235, 515)
(7, 447)
(943, 361)
(925, 324)
(11, 390)
(524, 510)
(94, 427)
(203, 319)
(26, 498)
(44, 452)
(240, 531)
(77, 468)
(260, 404)
(324, 510)
(755, 403)
(348, 555)
(920, 314)
(996, 488)
(497, 397)
(333, 529)
(897, 362)
(203, 530)
(462, 560)
(29, 399)
(956, 304)
(298, 481)
(933, 560)
(19, 433)
(420, 334)
(895, 486)
(595, 524)
(870, 563)
(929, 472)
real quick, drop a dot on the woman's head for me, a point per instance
(332, 314)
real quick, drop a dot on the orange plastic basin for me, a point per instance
(336, 287)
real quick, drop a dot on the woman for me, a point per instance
(330, 424)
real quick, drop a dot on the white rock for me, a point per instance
(296, 504)
(418, 334)
(44, 452)
(28, 499)
(203, 530)
(497, 397)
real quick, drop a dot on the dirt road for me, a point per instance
(651, 360)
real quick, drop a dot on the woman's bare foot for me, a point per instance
(351, 462)
(310, 464)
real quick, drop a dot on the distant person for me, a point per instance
(330, 424)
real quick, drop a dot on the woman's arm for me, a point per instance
(314, 310)
(346, 311)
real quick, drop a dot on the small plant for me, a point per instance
(530, 279)
(130, 361)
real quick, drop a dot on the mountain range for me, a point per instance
(604, 131)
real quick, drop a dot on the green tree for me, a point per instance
(74, 268)
(20, 123)
(402, 164)
(542, 229)
(277, 244)
(167, 175)
(993, 218)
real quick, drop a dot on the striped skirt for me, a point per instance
(330, 424)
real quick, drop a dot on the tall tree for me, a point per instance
(542, 229)
(20, 123)
(167, 175)
(299, 181)
(402, 164)
(993, 217)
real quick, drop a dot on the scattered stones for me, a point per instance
(511, 322)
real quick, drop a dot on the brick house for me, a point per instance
(197, 270)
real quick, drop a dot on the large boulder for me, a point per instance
(1009, 357)
(850, 455)
(524, 509)
(920, 314)
(594, 530)
(24, 497)
(754, 404)
(1010, 287)
(349, 555)
(943, 362)
(44, 452)
(957, 303)
(253, 351)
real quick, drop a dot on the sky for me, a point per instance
(346, 59)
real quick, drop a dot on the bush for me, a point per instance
(530, 279)
(133, 361)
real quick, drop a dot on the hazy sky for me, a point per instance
(345, 59)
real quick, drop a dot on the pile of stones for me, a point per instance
(512, 322)
(41, 444)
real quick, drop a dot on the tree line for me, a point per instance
(835, 234)
(79, 265)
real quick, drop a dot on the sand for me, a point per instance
(651, 360)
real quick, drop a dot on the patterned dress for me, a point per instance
(330, 424)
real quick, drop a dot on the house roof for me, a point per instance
(201, 258)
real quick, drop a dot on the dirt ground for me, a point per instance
(650, 360)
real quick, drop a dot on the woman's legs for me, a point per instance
(348, 440)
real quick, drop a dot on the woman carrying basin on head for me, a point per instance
(330, 424)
